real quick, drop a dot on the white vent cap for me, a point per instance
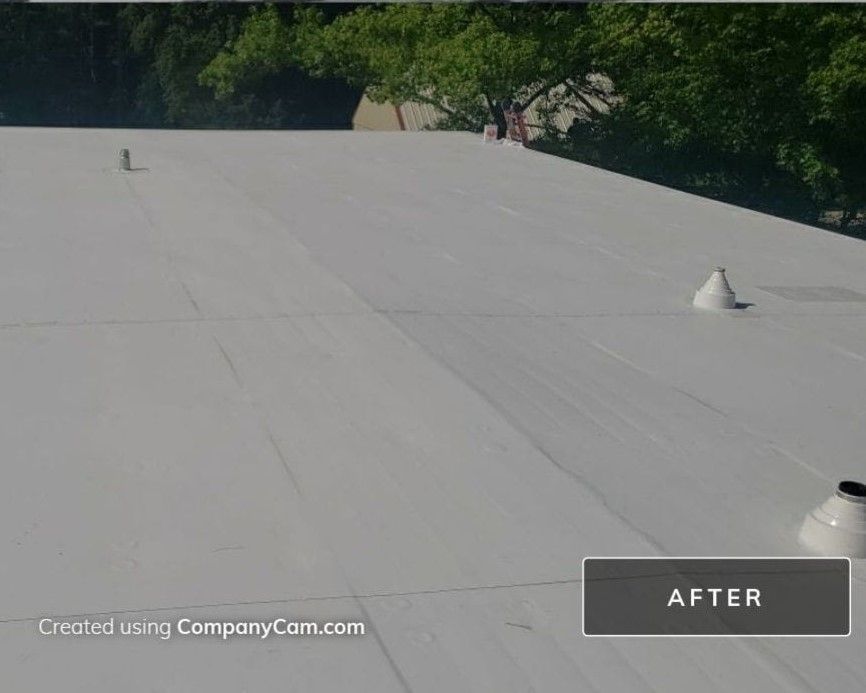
(716, 293)
(124, 164)
(837, 527)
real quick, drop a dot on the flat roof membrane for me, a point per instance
(404, 379)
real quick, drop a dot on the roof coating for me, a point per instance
(404, 378)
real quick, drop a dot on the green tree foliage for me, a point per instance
(57, 62)
(178, 41)
(462, 58)
(262, 48)
(138, 65)
(763, 105)
(174, 43)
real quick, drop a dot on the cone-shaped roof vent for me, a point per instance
(716, 293)
(837, 527)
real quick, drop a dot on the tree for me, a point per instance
(62, 65)
(464, 59)
(174, 43)
(763, 104)
(137, 65)
(179, 41)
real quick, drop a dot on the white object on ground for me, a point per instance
(837, 527)
(716, 293)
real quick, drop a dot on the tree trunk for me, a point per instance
(498, 116)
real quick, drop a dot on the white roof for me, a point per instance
(404, 378)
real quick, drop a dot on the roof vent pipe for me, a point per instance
(716, 293)
(124, 160)
(837, 527)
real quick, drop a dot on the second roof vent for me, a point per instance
(837, 527)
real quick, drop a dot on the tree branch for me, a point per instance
(583, 98)
(436, 104)
(541, 91)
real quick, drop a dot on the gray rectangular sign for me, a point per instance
(717, 596)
